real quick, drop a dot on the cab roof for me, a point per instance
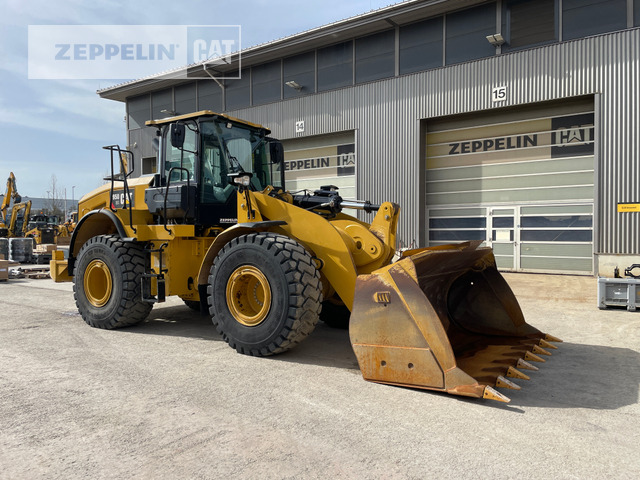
(201, 113)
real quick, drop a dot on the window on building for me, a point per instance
(582, 18)
(636, 13)
(335, 66)
(149, 165)
(467, 31)
(185, 96)
(162, 100)
(139, 111)
(238, 92)
(302, 70)
(209, 96)
(421, 45)
(526, 23)
(267, 82)
(375, 56)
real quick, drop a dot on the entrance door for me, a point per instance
(502, 236)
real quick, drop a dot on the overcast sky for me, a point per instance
(57, 127)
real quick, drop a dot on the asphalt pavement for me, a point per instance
(169, 399)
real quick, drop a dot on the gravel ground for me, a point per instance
(169, 399)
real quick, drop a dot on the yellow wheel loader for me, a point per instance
(217, 228)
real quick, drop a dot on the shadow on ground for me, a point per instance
(326, 346)
(583, 376)
(576, 376)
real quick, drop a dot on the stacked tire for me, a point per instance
(21, 250)
(4, 248)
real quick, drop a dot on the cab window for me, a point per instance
(183, 160)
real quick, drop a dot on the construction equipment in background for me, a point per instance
(11, 194)
(217, 228)
(64, 230)
(18, 222)
(42, 228)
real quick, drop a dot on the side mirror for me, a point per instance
(155, 143)
(276, 151)
(177, 131)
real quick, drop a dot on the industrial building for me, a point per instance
(515, 122)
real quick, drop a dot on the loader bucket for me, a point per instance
(444, 319)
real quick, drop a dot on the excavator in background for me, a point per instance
(18, 224)
(14, 224)
(11, 193)
(217, 228)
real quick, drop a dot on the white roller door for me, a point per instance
(521, 180)
(312, 162)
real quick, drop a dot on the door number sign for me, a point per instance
(499, 94)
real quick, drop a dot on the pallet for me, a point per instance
(30, 272)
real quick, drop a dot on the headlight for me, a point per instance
(244, 180)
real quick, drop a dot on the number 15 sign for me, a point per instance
(499, 94)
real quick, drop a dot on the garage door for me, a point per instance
(312, 162)
(521, 181)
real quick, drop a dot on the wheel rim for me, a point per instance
(248, 295)
(98, 284)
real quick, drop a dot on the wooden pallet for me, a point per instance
(30, 272)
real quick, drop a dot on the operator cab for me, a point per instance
(199, 155)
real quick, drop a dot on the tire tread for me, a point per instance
(305, 290)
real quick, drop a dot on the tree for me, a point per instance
(54, 203)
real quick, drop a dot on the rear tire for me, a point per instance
(106, 283)
(264, 293)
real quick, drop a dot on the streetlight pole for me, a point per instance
(65, 204)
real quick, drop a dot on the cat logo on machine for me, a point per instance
(120, 200)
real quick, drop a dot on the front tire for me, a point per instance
(106, 283)
(264, 293)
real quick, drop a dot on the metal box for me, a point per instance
(618, 292)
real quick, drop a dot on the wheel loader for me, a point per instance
(217, 228)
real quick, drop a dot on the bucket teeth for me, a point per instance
(543, 343)
(551, 338)
(541, 351)
(504, 383)
(515, 373)
(526, 365)
(530, 357)
(492, 394)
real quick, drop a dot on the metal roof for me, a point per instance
(201, 113)
(364, 24)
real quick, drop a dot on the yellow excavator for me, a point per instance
(217, 228)
(18, 220)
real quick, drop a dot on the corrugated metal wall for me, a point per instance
(387, 118)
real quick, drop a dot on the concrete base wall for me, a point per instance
(606, 264)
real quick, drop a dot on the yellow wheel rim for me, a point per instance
(248, 295)
(98, 284)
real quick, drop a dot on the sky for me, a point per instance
(58, 127)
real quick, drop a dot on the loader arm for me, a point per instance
(313, 231)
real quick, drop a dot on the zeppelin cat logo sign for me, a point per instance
(489, 144)
(336, 160)
(524, 140)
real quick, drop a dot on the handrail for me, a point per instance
(166, 194)
(125, 175)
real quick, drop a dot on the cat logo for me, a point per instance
(120, 200)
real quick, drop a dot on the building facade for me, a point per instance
(514, 122)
